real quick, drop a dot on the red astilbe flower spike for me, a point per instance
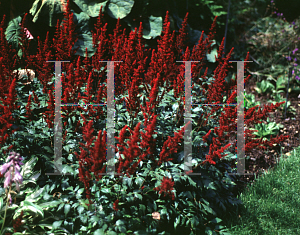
(180, 84)
(132, 151)
(17, 223)
(6, 110)
(114, 39)
(85, 163)
(218, 87)
(80, 76)
(98, 27)
(148, 140)
(199, 51)
(89, 88)
(65, 37)
(153, 95)
(115, 205)
(182, 37)
(212, 33)
(166, 187)
(28, 112)
(43, 68)
(24, 45)
(99, 156)
(8, 58)
(172, 145)
(162, 62)
(226, 125)
(95, 163)
(133, 99)
(50, 110)
(36, 100)
(102, 47)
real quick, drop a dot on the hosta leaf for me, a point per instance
(51, 204)
(13, 30)
(29, 206)
(85, 38)
(35, 194)
(27, 167)
(155, 25)
(47, 9)
(119, 8)
(90, 7)
(214, 53)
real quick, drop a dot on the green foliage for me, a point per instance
(59, 206)
(263, 42)
(47, 10)
(119, 9)
(91, 8)
(205, 199)
(266, 130)
(12, 33)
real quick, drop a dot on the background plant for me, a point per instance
(268, 35)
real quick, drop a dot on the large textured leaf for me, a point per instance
(28, 166)
(153, 27)
(13, 30)
(119, 8)
(47, 9)
(33, 209)
(90, 7)
(213, 54)
(35, 194)
(85, 38)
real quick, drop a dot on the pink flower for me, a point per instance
(14, 167)
(28, 34)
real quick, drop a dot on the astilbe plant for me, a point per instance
(139, 157)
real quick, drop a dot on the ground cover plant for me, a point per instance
(148, 198)
(271, 205)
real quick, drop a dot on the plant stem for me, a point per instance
(5, 209)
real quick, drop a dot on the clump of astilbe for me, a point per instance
(12, 174)
(141, 147)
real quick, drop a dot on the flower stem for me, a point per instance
(5, 209)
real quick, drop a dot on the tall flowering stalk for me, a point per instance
(228, 118)
(166, 187)
(95, 162)
(6, 119)
(12, 174)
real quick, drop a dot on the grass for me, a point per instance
(272, 203)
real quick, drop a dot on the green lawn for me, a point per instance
(272, 204)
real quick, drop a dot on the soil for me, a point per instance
(261, 161)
